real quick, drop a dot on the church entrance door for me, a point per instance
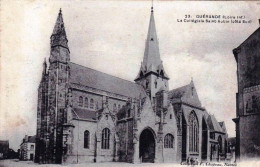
(147, 146)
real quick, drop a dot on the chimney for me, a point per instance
(26, 138)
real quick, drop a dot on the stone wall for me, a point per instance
(79, 154)
(249, 136)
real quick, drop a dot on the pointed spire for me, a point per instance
(152, 56)
(152, 61)
(59, 36)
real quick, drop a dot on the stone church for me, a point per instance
(85, 115)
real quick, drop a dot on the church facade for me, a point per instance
(84, 115)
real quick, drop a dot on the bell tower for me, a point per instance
(152, 75)
(57, 88)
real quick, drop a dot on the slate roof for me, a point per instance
(32, 139)
(95, 79)
(29, 139)
(85, 113)
(213, 124)
(178, 92)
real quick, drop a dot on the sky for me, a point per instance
(109, 36)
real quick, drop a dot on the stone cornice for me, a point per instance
(251, 89)
(151, 72)
(87, 120)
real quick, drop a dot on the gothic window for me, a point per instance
(212, 135)
(170, 116)
(168, 141)
(155, 84)
(162, 73)
(119, 107)
(220, 144)
(105, 138)
(91, 103)
(86, 139)
(114, 108)
(193, 132)
(80, 101)
(141, 74)
(128, 113)
(86, 103)
(147, 84)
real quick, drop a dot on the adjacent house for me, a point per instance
(27, 148)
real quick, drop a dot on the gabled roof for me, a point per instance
(186, 93)
(82, 113)
(178, 92)
(213, 124)
(223, 126)
(95, 79)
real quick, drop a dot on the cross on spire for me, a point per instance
(152, 7)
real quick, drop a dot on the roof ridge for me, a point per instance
(104, 73)
(179, 87)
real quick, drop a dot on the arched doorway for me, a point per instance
(147, 146)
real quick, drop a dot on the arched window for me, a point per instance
(128, 113)
(119, 107)
(193, 132)
(91, 103)
(80, 101)
(114, 108)
(220, 144)
(86, 139)
(86, 103)
(105, 138)
(168, 141)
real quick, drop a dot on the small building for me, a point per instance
(4, 147)
(27, 148)
(217, 139)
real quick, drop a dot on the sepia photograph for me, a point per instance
(129, 83)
